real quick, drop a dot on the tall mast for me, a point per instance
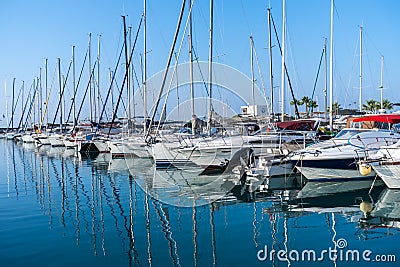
(381, 86)
(191, 57)
(283, 61)
(331, 72)
(12, 106)
(90, 81)
(132, 79)
(5, 95)
(73, 83)
(40, 115)
(360, 98)
(47, 114)
(325, 81)
(60, 83)
(252, 75)
(127, 71)
(210, 66)
(98, 75)
(22, 102)
(271, 77)
(144, 68)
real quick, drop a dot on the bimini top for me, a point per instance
(389, 118)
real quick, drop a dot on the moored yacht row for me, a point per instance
(280, 149)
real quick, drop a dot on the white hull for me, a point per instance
(70, 143)
(43, 139)
(390, 174)
(56, 140)
(322, 174)
(129, 148)
(27, 138)
(318, 189)
(98, 145)
(9, 136)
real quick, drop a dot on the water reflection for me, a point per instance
(100, 203)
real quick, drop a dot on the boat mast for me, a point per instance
(252, 75)
(73, 83)
(12, 106)
(144, 68)
(47, 114)
(360, 98)
(98, 75)
(325, 81)
(283, 61)
(191, 57)
(41, 101)
(331, 72)
(127, 71)
(90, 81)
(210, 67)
(5, 96)
(381, 86)
(59, 81)
(271, 77)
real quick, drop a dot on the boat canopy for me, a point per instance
(297, 125)
(388, 118)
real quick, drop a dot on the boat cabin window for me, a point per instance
(347, 133)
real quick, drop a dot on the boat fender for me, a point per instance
(365, 169)
(366, 207)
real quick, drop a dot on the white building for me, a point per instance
(254, 110)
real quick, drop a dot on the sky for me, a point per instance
(32, 31)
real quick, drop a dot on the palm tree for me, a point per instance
(305, 100)
(299, 103)
(335, 108)
(313, 104)
(371, 105)
(386, 104)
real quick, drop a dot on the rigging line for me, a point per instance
(48, 97)
(286, 71)
(366, 35)
(28, 115)
(261, 77)
(348, 91)
(201, 73)
(371, 77)
(23, 111)
(166, 69)
(111, 86)
(316, 80)
(125, 78)
(15, 106)
(84, 96)
(61, 96)
(77, 85)
(163, 111)
(122, 100)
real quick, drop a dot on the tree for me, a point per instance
(313, 104)
(371, 105)
(335, 108)
(295, 101)
(386, 104)
(305, 100)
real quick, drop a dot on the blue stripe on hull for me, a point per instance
(348, 164)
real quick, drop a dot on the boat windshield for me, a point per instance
(347, 133)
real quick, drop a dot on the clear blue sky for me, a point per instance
(34, 30)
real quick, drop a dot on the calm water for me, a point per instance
(57, 209)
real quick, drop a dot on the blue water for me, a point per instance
(57, 209)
